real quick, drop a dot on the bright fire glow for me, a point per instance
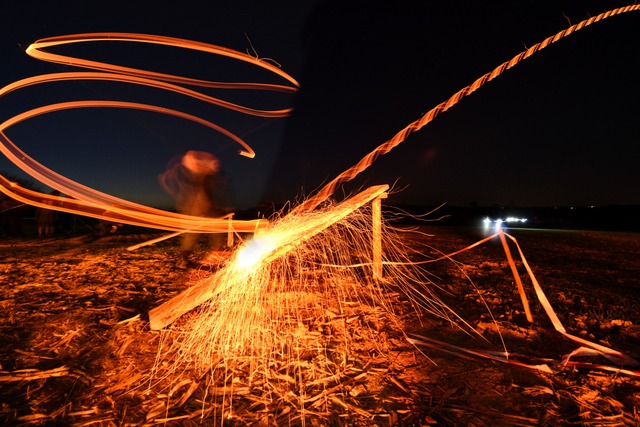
(255, 251)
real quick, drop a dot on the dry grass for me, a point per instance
(77, 350)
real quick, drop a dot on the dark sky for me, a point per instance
(559, 129)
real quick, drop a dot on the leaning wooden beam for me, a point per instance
(205, 289)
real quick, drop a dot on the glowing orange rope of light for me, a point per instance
(89, 202)
(34, 51)
(384, 148)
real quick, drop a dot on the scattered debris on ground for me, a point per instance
(77, 348)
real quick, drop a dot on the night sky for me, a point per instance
(559, 129)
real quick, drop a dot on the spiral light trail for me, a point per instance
(87, 201)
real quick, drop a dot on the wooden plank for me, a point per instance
(205, 289)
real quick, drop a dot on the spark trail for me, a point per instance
(415, 126)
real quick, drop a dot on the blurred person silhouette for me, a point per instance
(194, 182)
(46, 219)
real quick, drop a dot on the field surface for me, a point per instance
(76, 347)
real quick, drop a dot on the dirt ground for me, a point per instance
(76, 347)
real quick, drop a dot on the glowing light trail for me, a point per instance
(384, 148)
(90, 75)
(130, 213)
(90, 202)
(35, 50)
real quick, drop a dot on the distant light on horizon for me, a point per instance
(498, 224)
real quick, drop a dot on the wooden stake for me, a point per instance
(230, 231)
(376, 211)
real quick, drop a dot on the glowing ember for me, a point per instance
(283, 237)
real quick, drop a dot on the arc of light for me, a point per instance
(92, 75)
(122, 104)
(346, 176)
(35, 51)
(66, 185)
(155, 79)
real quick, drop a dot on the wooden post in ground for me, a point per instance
(230, 231)
(376, 212)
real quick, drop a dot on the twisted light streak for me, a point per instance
(384, 148)
(90, 202)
